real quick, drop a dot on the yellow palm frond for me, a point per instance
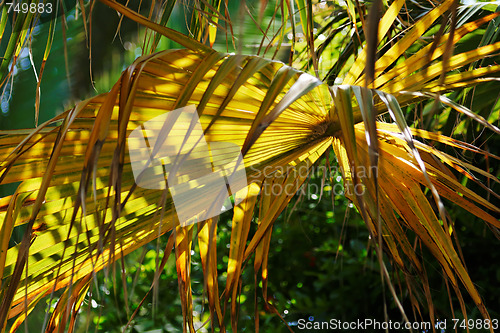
(78, 197)
(84, 208)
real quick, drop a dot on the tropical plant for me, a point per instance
(358, 76)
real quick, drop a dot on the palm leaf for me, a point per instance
(83, 225)
(83, 210)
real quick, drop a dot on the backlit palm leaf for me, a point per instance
(64, 227)
(83, 209)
